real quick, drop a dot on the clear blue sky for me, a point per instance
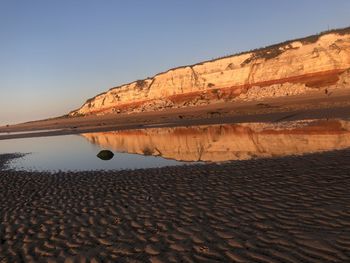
(56, 54)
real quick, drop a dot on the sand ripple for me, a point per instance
(294, 209)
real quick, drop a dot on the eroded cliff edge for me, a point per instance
(290, 68)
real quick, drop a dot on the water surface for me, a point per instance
(158, 147)
(72, 152)
(29, 132)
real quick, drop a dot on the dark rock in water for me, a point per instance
(105, 155)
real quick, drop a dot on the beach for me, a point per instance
(315, 105)
(290, 209)
(166, 132)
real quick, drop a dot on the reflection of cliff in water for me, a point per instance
(229, 142)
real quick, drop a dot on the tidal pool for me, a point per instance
(158, 147)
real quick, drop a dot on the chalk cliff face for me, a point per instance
(229, 142)
(290, 68)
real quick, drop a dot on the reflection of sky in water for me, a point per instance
(215, 143)
(72, 152)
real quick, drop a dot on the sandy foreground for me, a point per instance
(293, 209)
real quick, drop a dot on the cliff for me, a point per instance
(230, 141)
(290, 68)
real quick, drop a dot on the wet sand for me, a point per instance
(291, 209)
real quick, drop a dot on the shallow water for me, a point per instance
(28, 132)
(72, 152)
(157, 147)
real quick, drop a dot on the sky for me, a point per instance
(56, 54)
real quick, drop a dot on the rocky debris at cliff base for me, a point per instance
(273, 91)
(156, 105)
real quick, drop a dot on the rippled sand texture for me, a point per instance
(229, 141)
(294, 209)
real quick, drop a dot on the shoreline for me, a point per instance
(313, 105)
(287, 209)
(8, 157)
